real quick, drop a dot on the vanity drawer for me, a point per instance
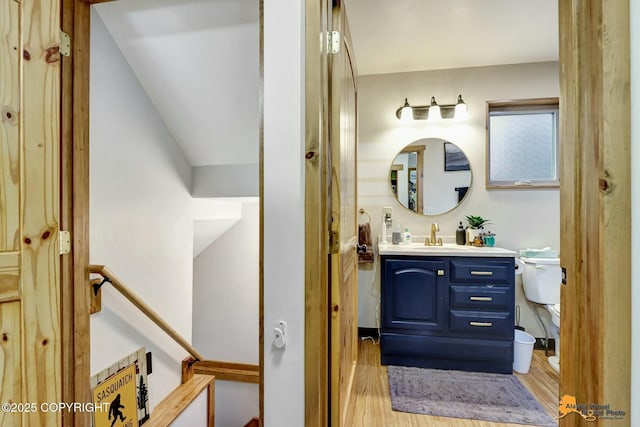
(484, 271)
(495, 324)
(484, 296)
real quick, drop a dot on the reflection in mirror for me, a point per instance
(430, 176)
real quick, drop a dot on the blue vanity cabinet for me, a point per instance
(448, 312)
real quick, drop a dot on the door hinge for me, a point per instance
(333, 42)
(65, 242)
(334, 242)
(65, 43)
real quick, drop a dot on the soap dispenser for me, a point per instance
(460, 235)
(406, 238)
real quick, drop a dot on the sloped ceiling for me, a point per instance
(412, 35)
(198, 62)
(198, 59)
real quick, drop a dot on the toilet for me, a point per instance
(541, 281)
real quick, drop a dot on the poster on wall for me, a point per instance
(454, 158)
(118, 393)
(122, 391)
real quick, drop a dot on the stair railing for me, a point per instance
(118, 285)
(197, 373)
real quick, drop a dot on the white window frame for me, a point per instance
(522, 106)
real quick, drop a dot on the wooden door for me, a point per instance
(344, 228)
(30, 348)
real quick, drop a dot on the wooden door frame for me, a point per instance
(74, 211)
(595, 193)
(419, 150)
(595, 210)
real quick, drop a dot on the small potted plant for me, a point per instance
(476, 223)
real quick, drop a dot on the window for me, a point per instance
(522, 143)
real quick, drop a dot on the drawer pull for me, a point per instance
(481, 324)
(480, 298)
(481, 273)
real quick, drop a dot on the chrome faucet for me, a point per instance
(432, 241)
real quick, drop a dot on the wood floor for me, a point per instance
(373, 403)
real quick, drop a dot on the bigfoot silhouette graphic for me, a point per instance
(114, 409)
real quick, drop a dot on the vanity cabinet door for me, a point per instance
(414, 295)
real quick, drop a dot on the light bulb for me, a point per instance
(461, 112)
(406, 113)
(434, 111)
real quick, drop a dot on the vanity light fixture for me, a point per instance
(433, 111)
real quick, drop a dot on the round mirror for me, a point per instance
(430, 176)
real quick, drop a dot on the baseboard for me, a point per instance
(373, 333)
(368, 332)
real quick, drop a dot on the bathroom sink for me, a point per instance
(447, 249)
(444, 246)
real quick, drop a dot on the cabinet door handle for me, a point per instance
(480, 298)
(482, 324)
(481, 273)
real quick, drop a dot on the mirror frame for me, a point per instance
(421, 182)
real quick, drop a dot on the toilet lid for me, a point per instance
(547, 261)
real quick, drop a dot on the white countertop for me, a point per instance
(447, 249)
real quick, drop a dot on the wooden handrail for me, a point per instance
(135, 299)
(228, 371)
(177, 401)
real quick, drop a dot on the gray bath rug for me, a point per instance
(471, 395)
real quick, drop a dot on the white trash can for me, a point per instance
(522, 351)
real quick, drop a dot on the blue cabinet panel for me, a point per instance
(448, 312)
(447, 353)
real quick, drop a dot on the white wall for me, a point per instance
(141, 221)
(283, 200)
(239, 180)
(522, 218)
(198, 60)
(225, 310)
(635, 210)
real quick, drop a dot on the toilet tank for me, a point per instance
(541, 280)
